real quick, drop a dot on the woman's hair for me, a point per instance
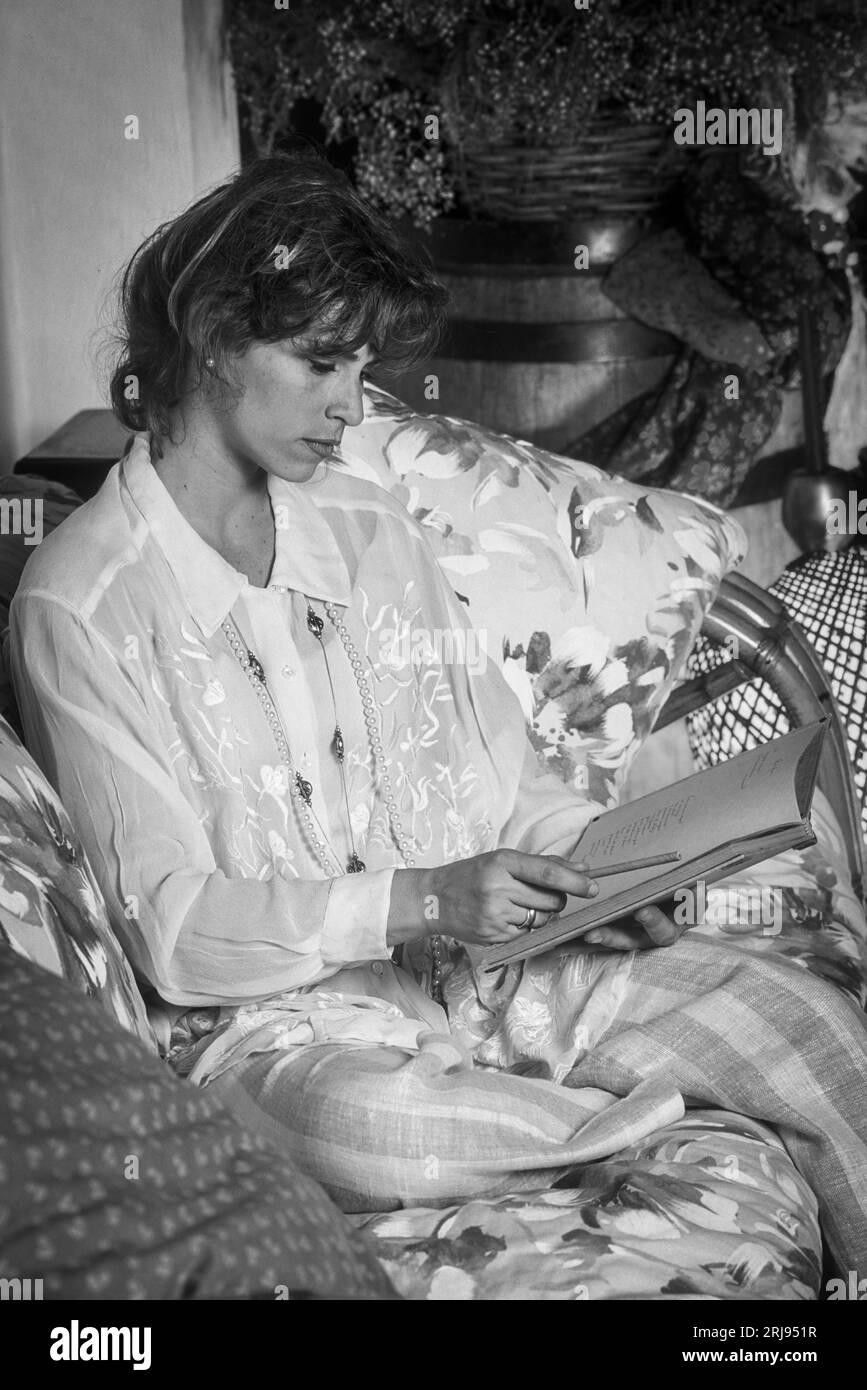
(286, 247)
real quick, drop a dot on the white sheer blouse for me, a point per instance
(143, 719)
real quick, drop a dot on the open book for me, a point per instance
(721, 820)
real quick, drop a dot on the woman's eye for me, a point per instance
(322, 367)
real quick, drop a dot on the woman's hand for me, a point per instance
(482, 901)
(648, 928)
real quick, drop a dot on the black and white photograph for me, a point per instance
(433, 672)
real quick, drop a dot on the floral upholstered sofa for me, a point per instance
(590, 592)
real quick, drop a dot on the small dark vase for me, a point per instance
(807, 507)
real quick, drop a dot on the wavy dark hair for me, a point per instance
(286, 249)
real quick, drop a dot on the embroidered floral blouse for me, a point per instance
(144, 720)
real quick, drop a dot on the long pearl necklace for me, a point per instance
(301, 789)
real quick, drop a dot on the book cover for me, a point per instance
(721, 820)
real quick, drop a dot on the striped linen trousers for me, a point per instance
(694, 1024)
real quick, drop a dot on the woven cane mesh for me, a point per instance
(827, 595)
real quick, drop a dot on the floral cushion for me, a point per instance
(587, 589)
(711, 1207)
(51, 908)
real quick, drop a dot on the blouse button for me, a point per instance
(288, 671)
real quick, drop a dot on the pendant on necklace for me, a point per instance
(338, 745)
(355, 865)
(305, 789)
(314, 623)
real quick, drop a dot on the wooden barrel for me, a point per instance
(534, 347)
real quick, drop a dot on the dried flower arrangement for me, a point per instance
(416, 85)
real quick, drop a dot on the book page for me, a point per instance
(748, 795)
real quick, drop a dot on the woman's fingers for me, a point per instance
(652, 928)
(660, 928)
(522, 897)
(548, 871)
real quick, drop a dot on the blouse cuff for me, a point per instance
(356, 918)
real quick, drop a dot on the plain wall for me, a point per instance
(76, 197)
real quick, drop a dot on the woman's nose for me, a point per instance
(349, 406)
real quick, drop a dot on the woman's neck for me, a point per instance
(221, 500)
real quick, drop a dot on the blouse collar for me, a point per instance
(306, 554)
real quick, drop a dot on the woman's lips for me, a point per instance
(321, 450)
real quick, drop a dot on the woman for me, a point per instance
(273, 808)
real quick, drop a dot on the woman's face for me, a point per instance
(288, 398)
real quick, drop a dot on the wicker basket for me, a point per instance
(615, 170)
